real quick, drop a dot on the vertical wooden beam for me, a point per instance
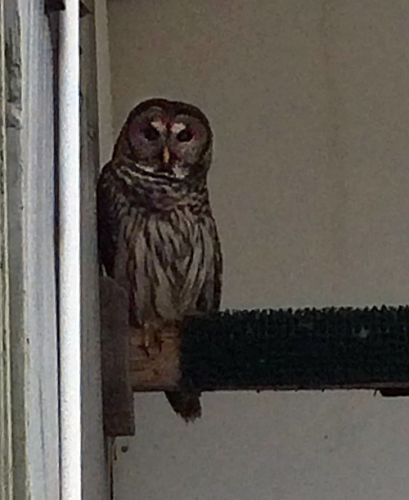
(17, 346)
(117, 391)
(30, 259)
(6, 470)
(95, 473)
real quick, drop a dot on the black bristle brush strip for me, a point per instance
(316, 349)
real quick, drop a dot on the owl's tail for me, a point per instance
(185, 404)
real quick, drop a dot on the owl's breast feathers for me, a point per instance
(160, 241)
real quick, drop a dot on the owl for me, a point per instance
(156, 233)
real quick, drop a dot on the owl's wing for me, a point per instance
(218, 272)
(210, 295)
(107, 229)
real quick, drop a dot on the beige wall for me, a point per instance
(308, 101)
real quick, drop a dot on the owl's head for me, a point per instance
(167, 138)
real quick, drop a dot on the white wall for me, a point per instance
(308, 101)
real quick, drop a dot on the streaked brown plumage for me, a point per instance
(157, 236)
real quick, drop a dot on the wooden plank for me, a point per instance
(307, 349)
(13, 61)
(38, 257)
(6, 470)
(31, 266)
(156, 368)
(117, 392)
(94, 471)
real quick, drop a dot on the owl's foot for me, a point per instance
(151, 338)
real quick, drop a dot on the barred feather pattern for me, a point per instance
(158, 239)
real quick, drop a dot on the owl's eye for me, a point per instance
(150, 133)
(184, 135)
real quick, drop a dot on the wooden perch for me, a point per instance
(157, 370)
(280, 350)
(331, 348)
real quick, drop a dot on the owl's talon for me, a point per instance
(151, 340)
(145, 350)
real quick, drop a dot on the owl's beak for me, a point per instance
(166, 155)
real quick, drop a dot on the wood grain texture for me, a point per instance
(95, 474)
(117, 392)
(306, 349)
(31, 256)
(159, 369)
(6, 469)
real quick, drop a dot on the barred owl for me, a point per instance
(156, 233)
